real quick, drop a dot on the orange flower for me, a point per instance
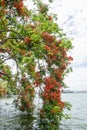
(21, 4)
(28, 87)
(27, 40)
(52, 111)
(70, 58)
(22, 108)
(61, 104)
(50, 17)
(47, 47)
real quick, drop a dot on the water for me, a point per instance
(78, 112)
(13, 119)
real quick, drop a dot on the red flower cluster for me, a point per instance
(61, 104)
(52, 96)
(19, 6)
(46, 36)
(27, 40)
(70, 58)
(2, 2)
(29, 89)
(52, 52)
(26, 97)
(51, 90)
(58, 73)
(38, 79)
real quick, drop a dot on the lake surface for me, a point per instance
(78, 112)
(13, 119)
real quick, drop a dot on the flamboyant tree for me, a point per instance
(33, 41)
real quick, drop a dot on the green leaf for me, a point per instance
(56, 108)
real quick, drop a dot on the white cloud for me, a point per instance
(79, 51)
(77, 80)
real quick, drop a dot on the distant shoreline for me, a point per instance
(74, 91)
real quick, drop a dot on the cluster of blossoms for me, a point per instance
(51, 90)
(13, 4)
(19, 6)
(25, 99)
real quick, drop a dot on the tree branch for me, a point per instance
(2, 73)
(5, 59)
(9, 30)
(4, 40)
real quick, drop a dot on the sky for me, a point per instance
(72, 18)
